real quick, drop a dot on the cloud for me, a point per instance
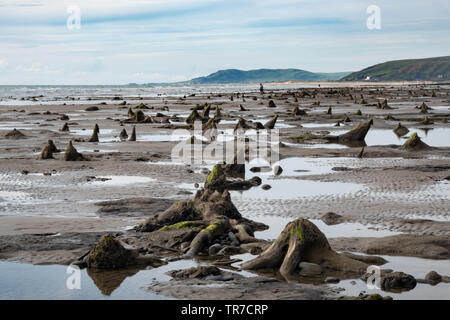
(169, 40)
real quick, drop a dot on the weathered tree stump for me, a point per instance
(48, 150)
(133, 134)
(357, 134)
(269, 125)
(123, 135)
(72, 154)
(414, 143)
(194, 116)
(400, 130)
(94, 136)
(15, 134)
(302, 241)
(65, 127)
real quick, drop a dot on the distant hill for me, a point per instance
(266, 75)
(430, 69)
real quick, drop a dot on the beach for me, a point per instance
(52, 212)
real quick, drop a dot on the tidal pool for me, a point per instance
(26, 281)
(414, 266)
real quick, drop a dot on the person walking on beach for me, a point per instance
(261, 88)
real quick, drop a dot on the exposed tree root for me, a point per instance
(302, 241)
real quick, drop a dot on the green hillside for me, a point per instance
(431, 69)
(266, 75)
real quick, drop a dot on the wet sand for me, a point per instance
(388, 189)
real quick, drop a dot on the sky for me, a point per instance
(142, 41)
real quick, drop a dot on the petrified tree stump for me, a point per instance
(302, 241)
(123, 135)
(95, 132)
(72, 154)
(357, 134)
(269, 125)
(414, 143)
(48, 150)
(400, 130)
(133, 134)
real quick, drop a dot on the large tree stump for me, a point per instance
(302, 241)
(207, 235)
(109, 253)
(357, 134)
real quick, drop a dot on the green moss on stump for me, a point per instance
(216, 173)
(110, 254)
(182, 225)
(298, 230)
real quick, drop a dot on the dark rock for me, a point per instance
(433, 277)
(331, 218)
(400, 130)
(195, 273)
(277, 170)
(272, 104)
(331, 280)
(212, 250)
(398, 281)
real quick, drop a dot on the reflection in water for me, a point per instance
(109, 280)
